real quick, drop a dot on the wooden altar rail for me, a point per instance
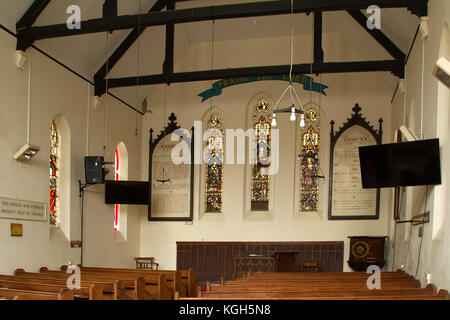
(212, 260)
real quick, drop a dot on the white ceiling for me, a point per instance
(86, 53)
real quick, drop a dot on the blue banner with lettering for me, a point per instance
(218, 86)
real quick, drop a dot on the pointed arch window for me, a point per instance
(54, 174)
(309, 188)
(116, 178)
(260, 184)
(214, 171)
(309, 160)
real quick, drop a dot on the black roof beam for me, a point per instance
(28, 19)
(170, 42)
(216, 13)
(110, 8)
(318, 51)
(122, 49)
(378, 35)
(396, 67)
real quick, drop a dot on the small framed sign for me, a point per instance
(16, 230)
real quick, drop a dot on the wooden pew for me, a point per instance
(331, 286)
(94, 292)
(130, 289)
(177, 284)
(16, 294)
(158, 286)
(188, 278)
(428, 293)
(101, 290)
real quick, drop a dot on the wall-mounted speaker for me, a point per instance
(93, 166)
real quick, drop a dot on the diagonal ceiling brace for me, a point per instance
(28, 19)
(121, 50)
(378, 35)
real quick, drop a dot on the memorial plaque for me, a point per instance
(171, 185)
(22, 209)
(348, 200)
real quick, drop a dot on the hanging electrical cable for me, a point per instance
(290, 87)
(212, 64)
(138, 66)
(422, 235)
(105, 121)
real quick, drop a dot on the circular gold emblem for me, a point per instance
(360, 249)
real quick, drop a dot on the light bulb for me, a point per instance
(293, 117)
(274, 120)
(302, 121)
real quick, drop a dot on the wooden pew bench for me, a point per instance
(17, 294)
(188, 287)
(93, 292)
(119, 289)
(157, 286)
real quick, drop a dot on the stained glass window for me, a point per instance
(309, 162)
(214, 171)
(54, 165)
(260, 184)
(116, 178)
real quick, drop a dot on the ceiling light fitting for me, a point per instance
(290, 88)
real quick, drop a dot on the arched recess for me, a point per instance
(121, 210)
(259, 188)
(441, 192)
(211, 203)
(63, 174)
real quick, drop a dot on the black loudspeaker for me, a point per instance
(93, 168)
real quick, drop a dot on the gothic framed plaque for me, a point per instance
(171, 183)
(347, 199)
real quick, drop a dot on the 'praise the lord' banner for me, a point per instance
(218, 86)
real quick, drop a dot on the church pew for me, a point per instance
(106, 291)
(177, 282)
(157, 285)
(322, 275)
(294, 288)
(94, 292)
(122, 289)
(187, 276)
(235, 297)
(17, 294)
(385, 294)
(318, 283)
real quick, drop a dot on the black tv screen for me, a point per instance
(126, 192)
(400, 164)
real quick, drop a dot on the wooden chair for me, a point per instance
(310, 267)
(146, 263)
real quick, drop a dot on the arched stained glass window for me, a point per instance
(309, 162)
(260, 185)
(116, 178)
(214, 172)
(54, 166)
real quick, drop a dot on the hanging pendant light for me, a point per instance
(274, 120)
(290, 87)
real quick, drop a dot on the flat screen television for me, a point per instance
(400, 164)
(126, 192)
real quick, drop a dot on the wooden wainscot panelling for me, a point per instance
(213, 260)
